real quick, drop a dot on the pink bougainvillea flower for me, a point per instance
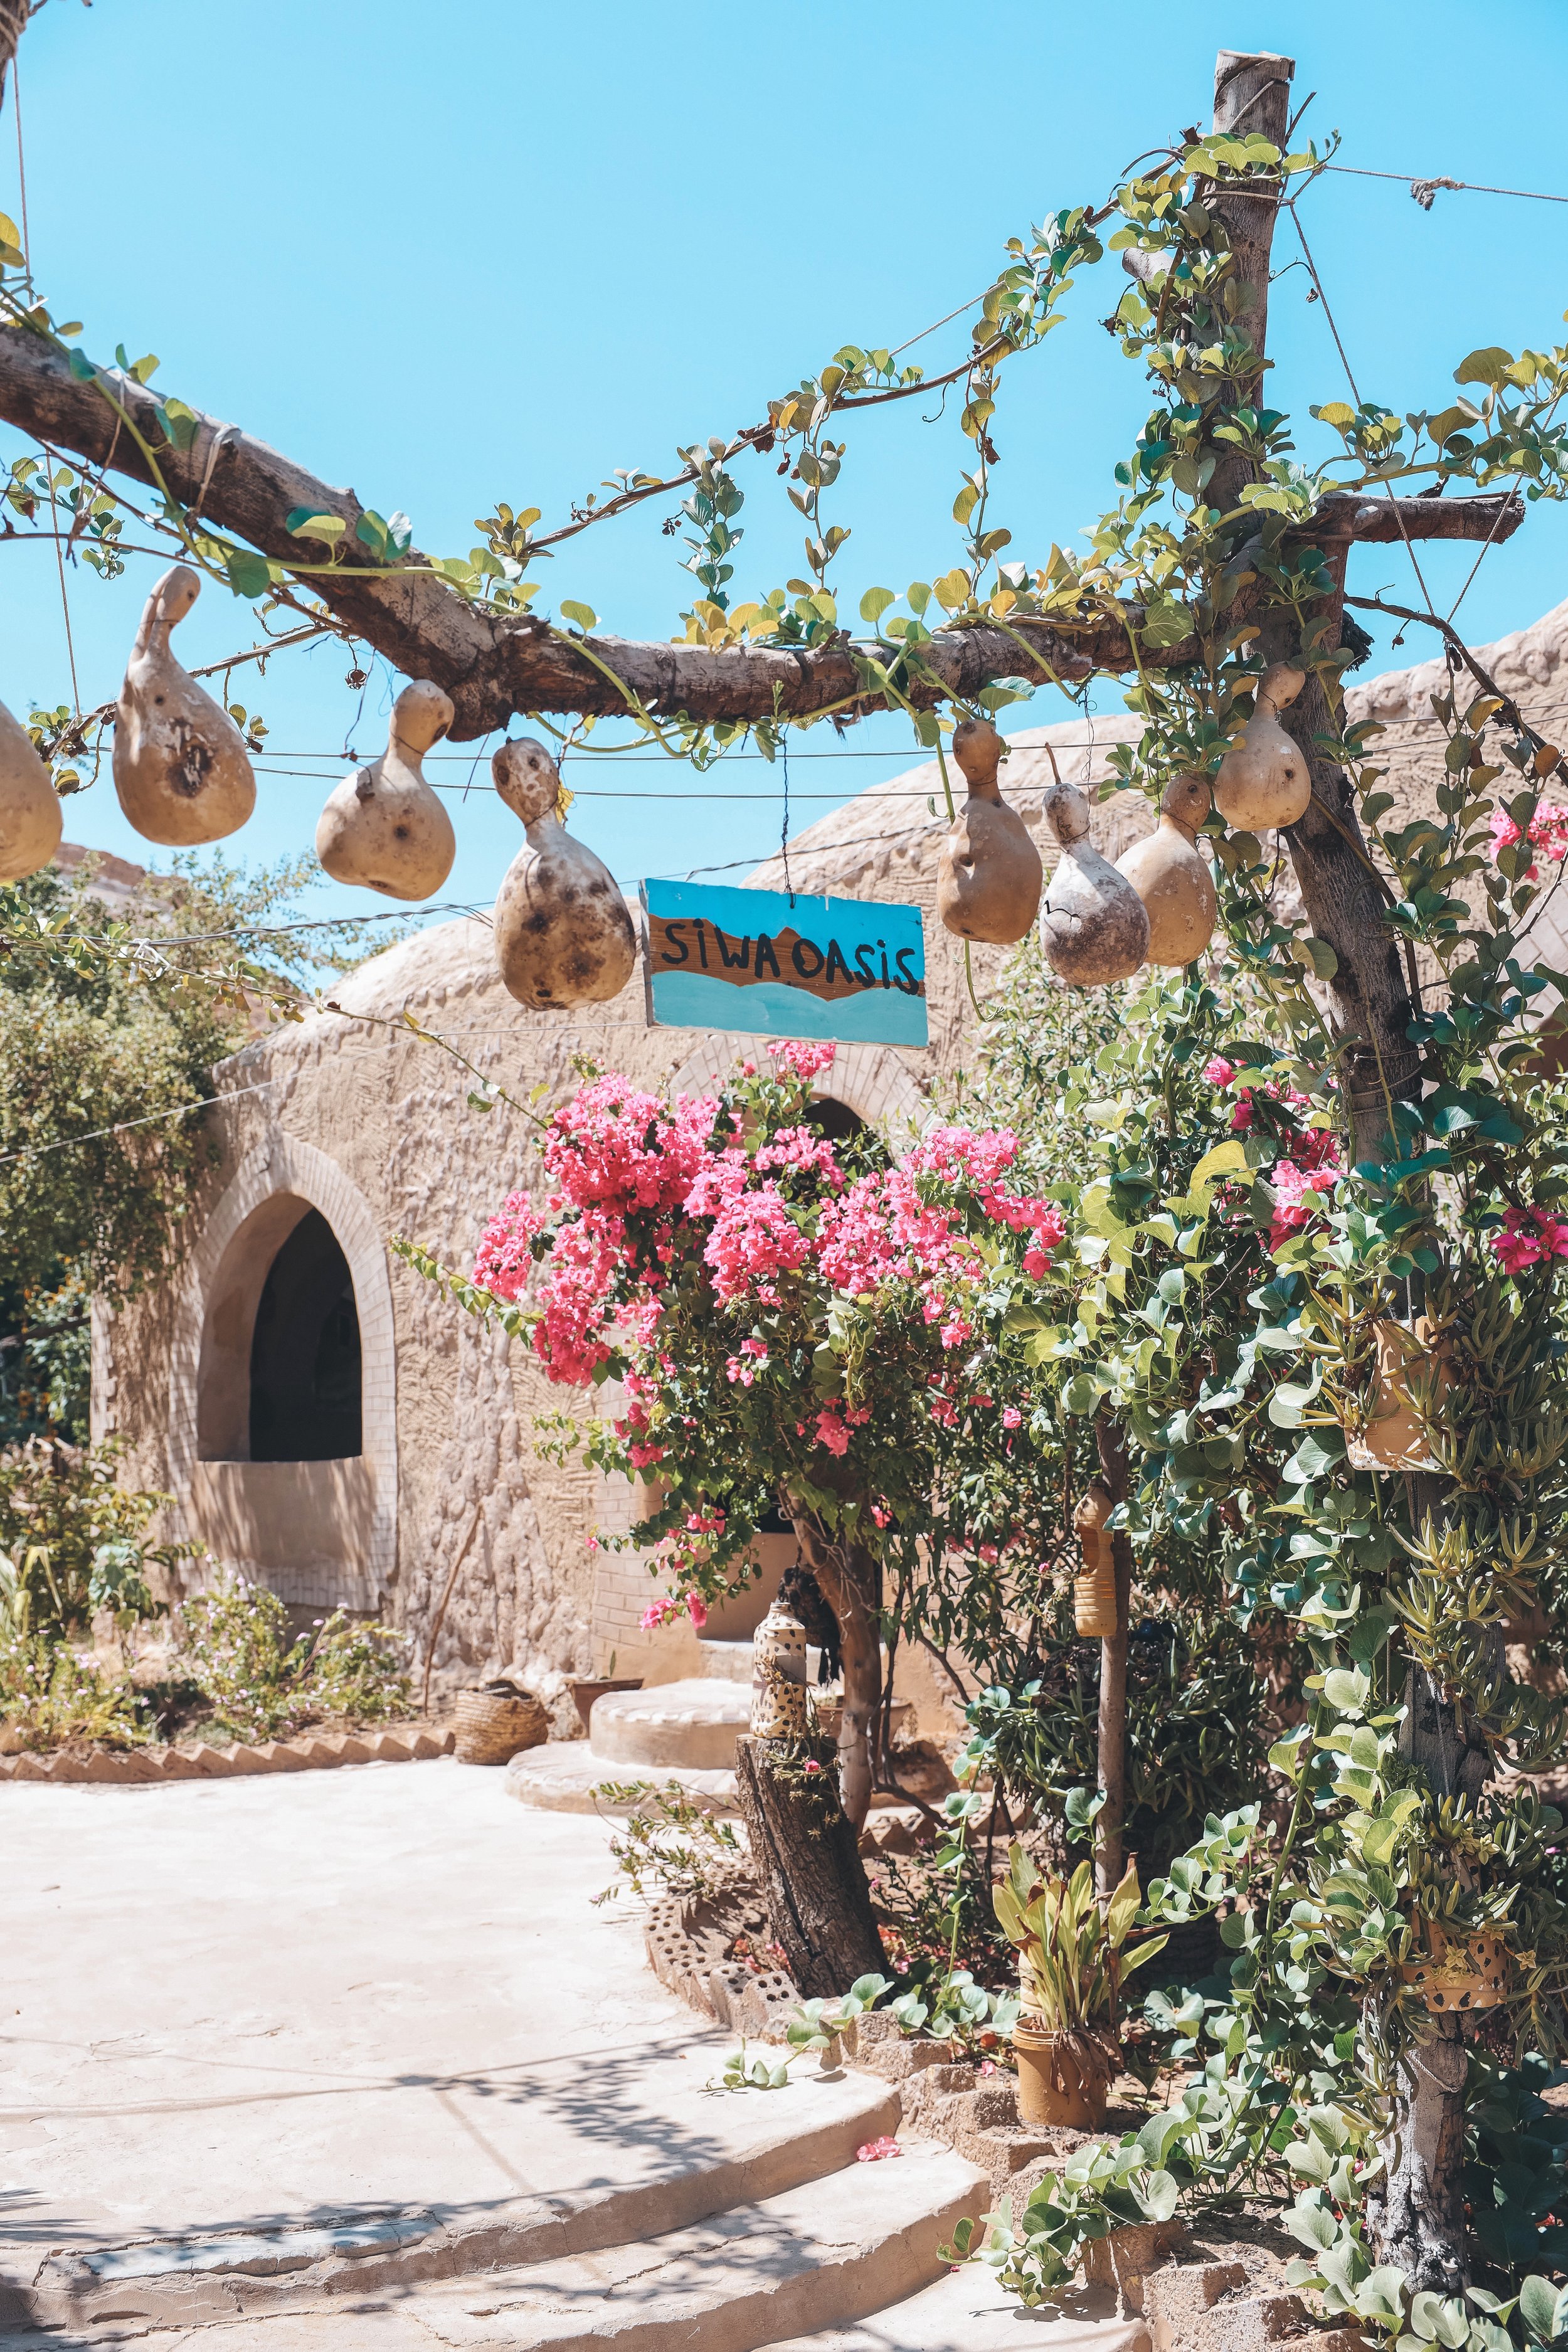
(753, 1240)
(1548, 833)
(1218, 1071)
(805, 1060)
(1011, 1416)
(697, 1609)
(874, 2150)
(812, 1765)
(1528, 1235)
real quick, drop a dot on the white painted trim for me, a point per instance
(283, 1164)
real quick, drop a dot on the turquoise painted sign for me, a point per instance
(777, 966)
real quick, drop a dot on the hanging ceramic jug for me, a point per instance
(779, 1707)
(563, 933)
(988, 871)
(1457, 1972)
(1263, 781)
(1393, 1437)
(1171, 876)
(384, 829)
(1094, 1586)
(1093, 925)
(180, 763)
(31, 821)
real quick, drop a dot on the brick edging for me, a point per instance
(307, 1752)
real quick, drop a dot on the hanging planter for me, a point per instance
(1094, 1586)
(31, 821)
(780, 1706)
(988, 871)
(1171, 876)
(1094, 927)
(181, 769)
(563, 934)
(1459, 1972)
(1393, 1437)
(1263, 781)
(383, 828)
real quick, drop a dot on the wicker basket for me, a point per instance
(495, 1724)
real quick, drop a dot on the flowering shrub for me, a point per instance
(784, 1321)
(49, 1695)
(259, 1685)
(1547, 831)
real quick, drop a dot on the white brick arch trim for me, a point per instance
(869, 1080)
(283, 1166)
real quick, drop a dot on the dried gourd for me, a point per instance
(1093, 925)
(1094, 1586)
(383, 828)
(180, 763)
(1263, 781)
(563, 935)
(988, 871)
(30, 817)
(1171, 876)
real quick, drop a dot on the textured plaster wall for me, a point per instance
(373, 1126)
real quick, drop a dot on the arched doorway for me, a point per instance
(305, 1368)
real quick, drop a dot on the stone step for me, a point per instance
(759, 2146)
(1223, 2307)
(823, 2256)
(562, 1777)
(967, 2311)
(691, 1725)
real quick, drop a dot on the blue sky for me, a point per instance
(495, 251)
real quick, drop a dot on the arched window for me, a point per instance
(305, 1352)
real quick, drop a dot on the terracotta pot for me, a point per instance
(1453, 1974)
(584, 1694)
(1052, 2086)
(1394, 1438)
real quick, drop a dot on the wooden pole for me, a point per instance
(1416, 2210)
(1111, 1728)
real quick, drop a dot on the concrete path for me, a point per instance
(350, 2059)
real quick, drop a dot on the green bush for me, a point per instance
(261, 1686)
(49, 1697)
(73, 1540)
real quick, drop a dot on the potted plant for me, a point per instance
(584, 1692)
(1071, 1961)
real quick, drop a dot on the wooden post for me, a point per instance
(1111, 1729)
(1416, 2212)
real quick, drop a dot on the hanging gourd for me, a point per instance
(1393, 1437)
(1172, 877)
(1094, 1586)
(988, 871)
(383, 828)
(180, 763)
(1093, 925)
(1263, 781)
(780, 1705)
(563, 933)
(31, 821)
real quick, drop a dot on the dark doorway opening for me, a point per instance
(835, 1121)
(305, 1352)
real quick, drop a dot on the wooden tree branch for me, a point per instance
(494, 668)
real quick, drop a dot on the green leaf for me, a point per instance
(582, 615)
(1227, 1158)
(1159, 2197)
(1487, 366)
(10, 242)
(1538, 2303)
(1346, 1691)
(874, 603)
(309, 522)
(248, 575)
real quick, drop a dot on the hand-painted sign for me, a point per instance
(780, 967)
